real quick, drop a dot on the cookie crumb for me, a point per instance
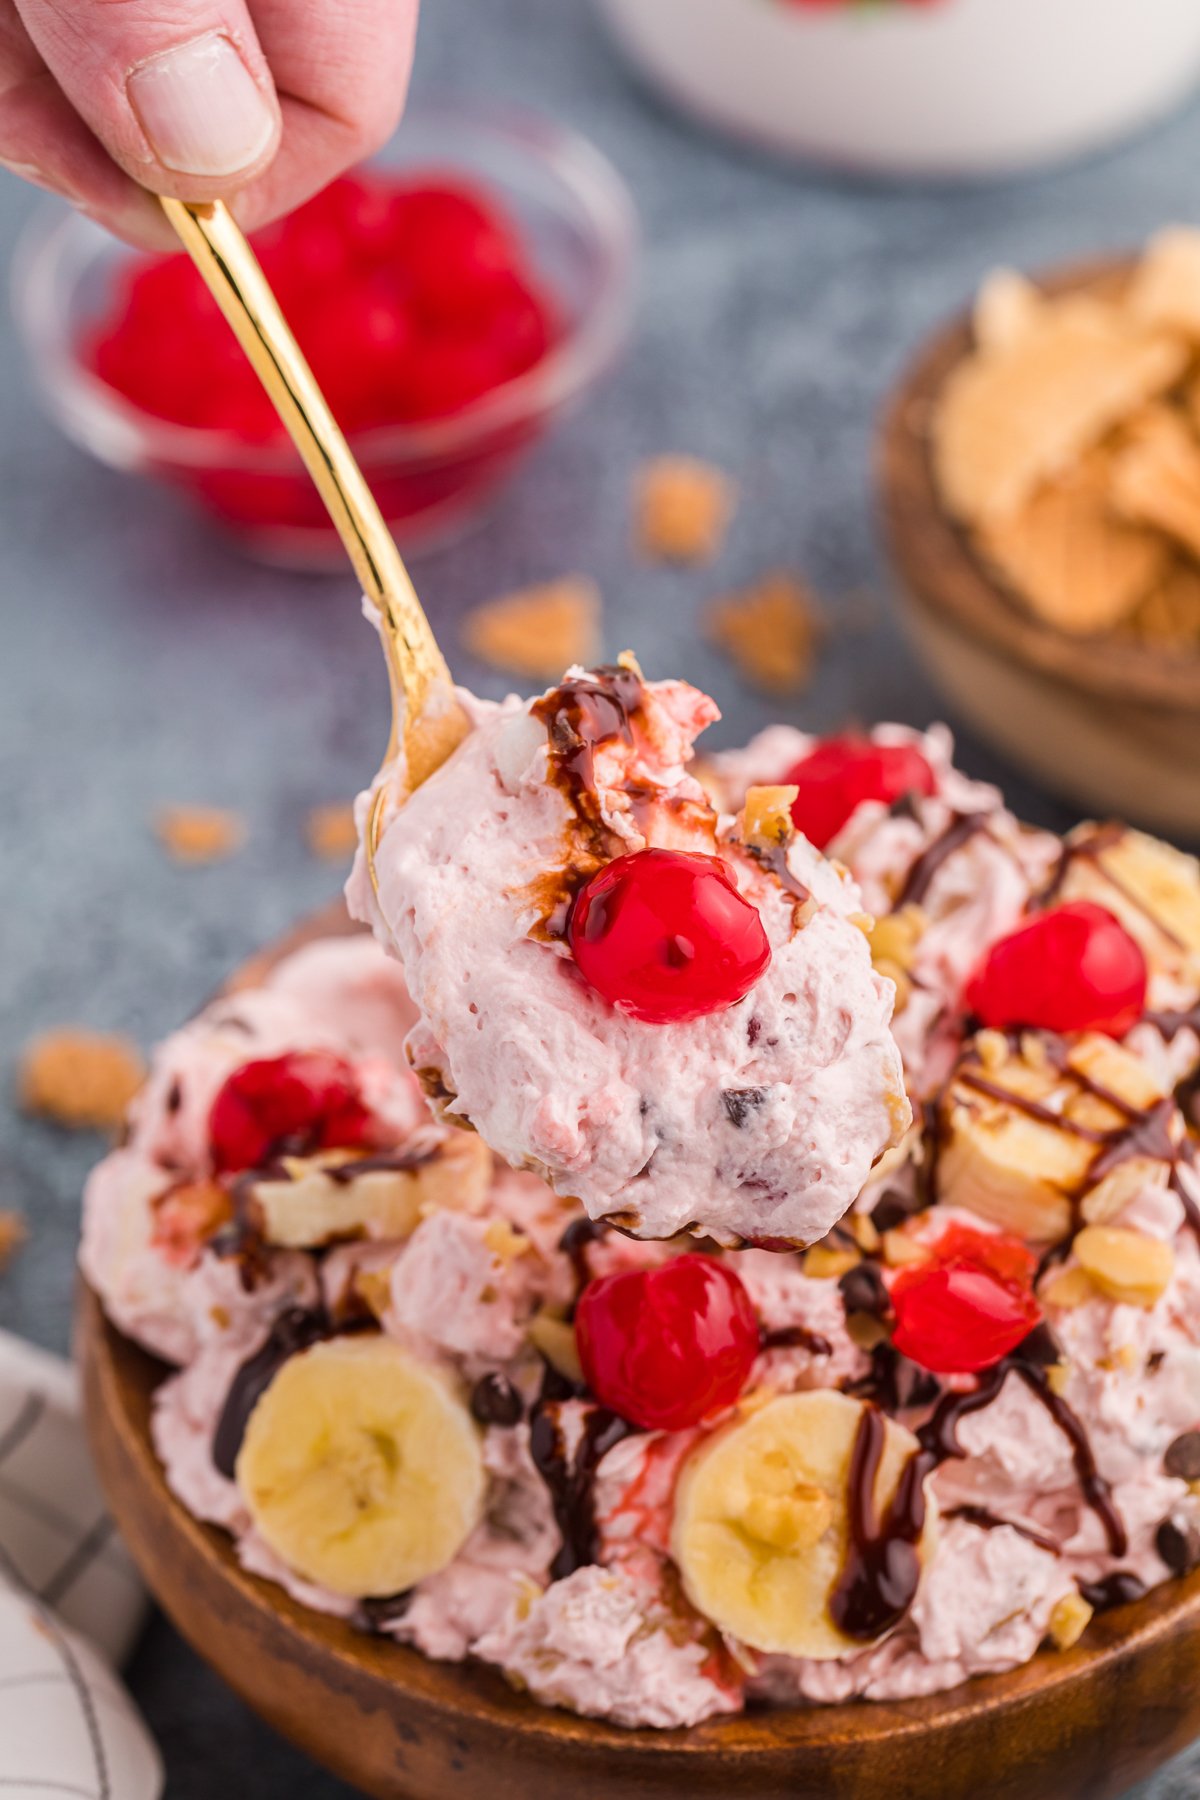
(200, 834)
(12, 1235)
(684, 507)
(1170, 615)
(1010, 419)
(81, 1079)
(538, 631)
(1069, 559)
(772, 631)
(331, 832)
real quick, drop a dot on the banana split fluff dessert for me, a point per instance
(660, 1481)
(668, 1014)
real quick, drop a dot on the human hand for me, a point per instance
(265, 100)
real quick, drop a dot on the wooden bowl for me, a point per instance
(1076, 1726)
(1113, 725)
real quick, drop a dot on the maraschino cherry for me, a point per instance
(968, 1305)
(298, 1103)
(667, 1347)
(411, 298)
(1074, 968)
(841, 772)
(664, 935)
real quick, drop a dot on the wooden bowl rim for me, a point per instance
(943, 572)
(120, 1378)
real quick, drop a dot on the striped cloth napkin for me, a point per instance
(71, 1604)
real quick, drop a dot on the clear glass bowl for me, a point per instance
(431, 479)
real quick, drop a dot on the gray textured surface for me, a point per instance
(143, 662)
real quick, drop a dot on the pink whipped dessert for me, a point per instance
(667, 1013)
(937, 853)
(654, 1483)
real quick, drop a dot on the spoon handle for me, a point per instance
(423, 703)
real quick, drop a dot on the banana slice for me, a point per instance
(323, 1199)
(1152, 888)
(760, 1528)
(361, 1467)
(1018, 1135)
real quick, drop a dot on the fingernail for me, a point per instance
(201, 108)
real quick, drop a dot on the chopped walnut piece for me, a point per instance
(200, 834)
(894, 940)
(767, 817)
(772, 631)
(555, 1340)
(538, 631)
(82, 1079)
(1069, 1620)
(825, 1263)
(1069, 1288)
(331, 832)
(505, 1243)
(900, 1248)
(1126, 1265)
(683, 508)
(12, 1236)
(866, 1235)
(1057, 1377)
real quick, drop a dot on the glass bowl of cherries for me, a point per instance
(455, 297)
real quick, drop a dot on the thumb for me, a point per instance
(180, 96)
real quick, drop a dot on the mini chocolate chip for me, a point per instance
(376, 1615)
(864, 1291)
(174, 1097)
(1121, 1588)
(1183, 1457)
(753, 1031)
(1178, 1545)
(495, 1401)
(891, 1209)
(1155, 1360)
(741, 1102)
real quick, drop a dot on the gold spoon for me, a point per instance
(427, 720)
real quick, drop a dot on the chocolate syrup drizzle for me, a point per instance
(1144, 1132)
(796, 1337)
(775, 860)
(604, 706)
(574, 1243)
(879, 1577)
(294, 1330)
(920, 877)
(1118, 1589)
(571, 1480)
(990, 1521)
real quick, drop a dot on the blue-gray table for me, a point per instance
(142, 661)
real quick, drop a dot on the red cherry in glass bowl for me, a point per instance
(667, 1347)
(1072, 968)
(294, 1104)
(665, 936)
(453, 301)
(969, 1305)
(840, 773)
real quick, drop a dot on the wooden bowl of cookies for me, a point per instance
(1078, 1724)
(1037, 469)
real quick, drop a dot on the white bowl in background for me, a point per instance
(919, 87)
